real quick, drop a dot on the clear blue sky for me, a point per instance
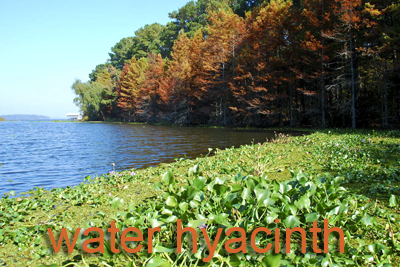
(45, 45)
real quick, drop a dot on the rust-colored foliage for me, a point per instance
(130, 83)
(153, 92)
(286, 63)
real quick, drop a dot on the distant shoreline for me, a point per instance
(24, 117)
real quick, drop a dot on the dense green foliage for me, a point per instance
(262, 63)
(97, 97)
(350, 178)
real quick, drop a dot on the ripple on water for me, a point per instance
(55, 154)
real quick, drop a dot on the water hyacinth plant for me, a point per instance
(250, 202)
(356, 189)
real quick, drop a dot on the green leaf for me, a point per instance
(325, 262)
(220, 180)
(158, 262)
(372, 248)
(199, 182)
(161, 249)
(250, 184)
(246, 193)
(171, 201)
(194, 170)
(268, 202)
(335, 211)
(262, 194)
(219, 189)
(283, 188)
(196, 223)
(290, 209)
(237, 188)
(107, 249)
(311, 217)
(272, 260)
(271, 217)
(366, 220)
(168, 177)
(338, 180)
(234, 260)
(291, 222)
(220, 218)
(193, 204)
(155, 223)
(117, 202)
(303, 202)
(184, 206)
(237, 178)
(171, 219)
(166, 212)
(393, 201)
(302, 180)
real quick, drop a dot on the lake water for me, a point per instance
(59, 154)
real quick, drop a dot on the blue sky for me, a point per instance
(45, 45)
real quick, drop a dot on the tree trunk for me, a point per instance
(323, 122)
(224, 94)
(323, 119)
(386, 118)
(224, 110)
(102, 114)
(290, 105)
(280, 107)
(353, 93)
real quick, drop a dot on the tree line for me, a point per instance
(322, 63)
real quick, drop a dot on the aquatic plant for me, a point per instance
(356, 188)
(250, 202)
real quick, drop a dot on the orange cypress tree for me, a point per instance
(225, 33)
(179, 78)
(259, 87)
(153, 93)
(130, 82)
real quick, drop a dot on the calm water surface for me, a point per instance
(59, 154)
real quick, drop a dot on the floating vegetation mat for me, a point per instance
(326, 199)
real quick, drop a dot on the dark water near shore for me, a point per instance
(58, 154)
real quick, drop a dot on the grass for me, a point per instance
(367, 162)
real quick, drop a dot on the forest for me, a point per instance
(318, 63)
